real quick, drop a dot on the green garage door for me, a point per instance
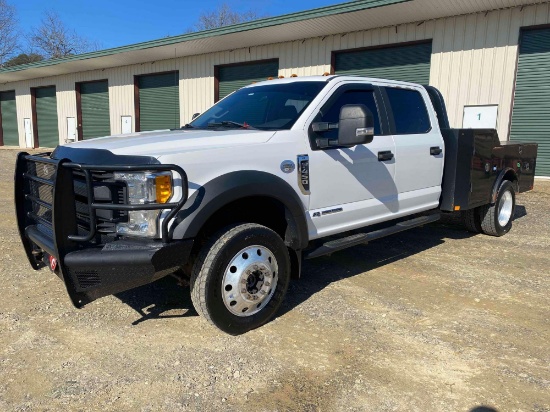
(234, 77)
(410, 63)
(9, 119)
(94, 106)
(46, 117)
(531, 115)
(159, 104)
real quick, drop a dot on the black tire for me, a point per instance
(471, 220)
(207, 278)
(489, 214)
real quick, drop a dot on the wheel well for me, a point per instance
(262, 210)
(509, 175)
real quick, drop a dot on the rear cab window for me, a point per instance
(410, 115)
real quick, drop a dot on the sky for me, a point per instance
(114, 23)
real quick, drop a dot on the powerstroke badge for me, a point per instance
(303, 173)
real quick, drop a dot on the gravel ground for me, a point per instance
(430, 320)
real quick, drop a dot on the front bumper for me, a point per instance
(49, 207)
(92, 273)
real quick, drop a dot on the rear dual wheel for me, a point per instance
(496, 219)
(240, 278)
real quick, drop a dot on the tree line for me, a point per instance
(53, 39)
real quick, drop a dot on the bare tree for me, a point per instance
(8, 30)
(223, 15)
(54, 39)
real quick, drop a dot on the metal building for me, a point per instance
(490, 59)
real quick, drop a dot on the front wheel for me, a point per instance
(496, 220)
(240, 278)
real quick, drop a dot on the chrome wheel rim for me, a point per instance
(249, 281)
(505, 208)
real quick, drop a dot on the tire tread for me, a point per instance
(470, 218)
(488, 213)
(487, 217)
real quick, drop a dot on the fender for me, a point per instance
(501, 177)
(221, 191)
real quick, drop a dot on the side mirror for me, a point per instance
(356, 125)
(195, 116)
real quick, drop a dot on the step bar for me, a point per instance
(363, 238)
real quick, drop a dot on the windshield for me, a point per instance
(271, 107)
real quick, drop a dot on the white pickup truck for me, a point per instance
(277, 172)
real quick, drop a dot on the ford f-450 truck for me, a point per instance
(275, 173)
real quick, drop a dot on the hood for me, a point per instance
(164, 142)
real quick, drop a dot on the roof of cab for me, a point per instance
(338, 78)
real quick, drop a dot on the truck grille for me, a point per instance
(41, 183)
(105, 191)
(40, 174)
(79, 203)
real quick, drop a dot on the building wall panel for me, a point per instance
(473, 63)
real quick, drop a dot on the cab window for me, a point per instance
(409, 111)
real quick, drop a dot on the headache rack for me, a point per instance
(62, 205)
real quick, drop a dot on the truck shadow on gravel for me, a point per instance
(163, 299)
(167, 298)
(321, 272)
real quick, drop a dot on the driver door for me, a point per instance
(351, 187)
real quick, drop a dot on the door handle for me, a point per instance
(435, 151)
(384, 156)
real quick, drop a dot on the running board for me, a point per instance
(363, 238)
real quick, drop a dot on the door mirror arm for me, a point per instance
(325, 143)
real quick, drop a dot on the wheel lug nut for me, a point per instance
(262, 292)
(255, 267)
(267, 284)
(243, 290)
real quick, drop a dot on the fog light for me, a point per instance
(140, 223)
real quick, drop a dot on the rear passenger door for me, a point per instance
(419, 148)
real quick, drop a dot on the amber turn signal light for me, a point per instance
(163, 184)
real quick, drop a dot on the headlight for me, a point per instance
(144, 188)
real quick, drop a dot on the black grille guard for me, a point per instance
(64, 230)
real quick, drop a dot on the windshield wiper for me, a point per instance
(187, 126)
(230, 123)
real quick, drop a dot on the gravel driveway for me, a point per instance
(433, 319)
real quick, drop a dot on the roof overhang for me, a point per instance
(341, 18)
